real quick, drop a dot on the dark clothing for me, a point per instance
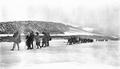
(38, 43)
(70, 41)
(28, 41)
(31, 39)
(46, 38)
(44, 41)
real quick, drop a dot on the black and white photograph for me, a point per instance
(59, 34)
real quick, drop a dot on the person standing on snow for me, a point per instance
(16, 39)
(32, 36)
(37, 39)
(28, 41)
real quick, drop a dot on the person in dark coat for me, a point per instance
(31, 39)
(28, 41)
(69, 41)
(44, 39)
(48, 38)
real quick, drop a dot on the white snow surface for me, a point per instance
(96, 55)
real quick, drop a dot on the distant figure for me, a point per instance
(37, 39)
(16, 39)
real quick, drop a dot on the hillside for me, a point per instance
(26, 26)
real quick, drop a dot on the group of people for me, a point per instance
(30, 38)
(74, 40)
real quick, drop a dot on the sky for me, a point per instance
(98, 14)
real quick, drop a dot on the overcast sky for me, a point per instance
(101, 14)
